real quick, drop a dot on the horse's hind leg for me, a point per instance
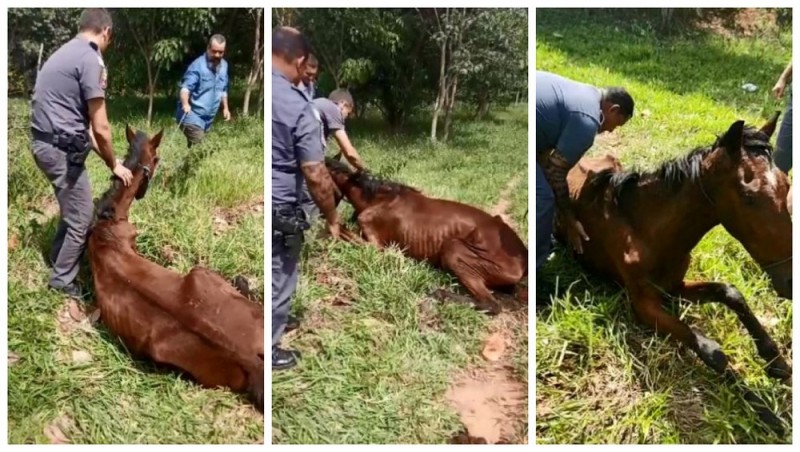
(727, 294)
(650, 311)
(209, 366)
(467, 266)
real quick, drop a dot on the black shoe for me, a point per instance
(292, 324)
(72, 290)
(284, 359)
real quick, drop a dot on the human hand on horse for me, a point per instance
(575, 233)
(340, 231)
(123, 173)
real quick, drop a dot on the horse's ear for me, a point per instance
(732, 140)
(156, 140)
(771, 125)
(129, 133)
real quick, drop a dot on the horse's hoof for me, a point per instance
(772, 421)
(780, 371)
(711, 353)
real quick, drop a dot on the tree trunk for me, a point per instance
(151, 88)
(483, 104)
(261, 94)
(448, 114)
(39, 62)
(258, 53)
(441, 96)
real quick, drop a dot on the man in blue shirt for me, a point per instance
(569, 115)
(297, 154)
(204, 87)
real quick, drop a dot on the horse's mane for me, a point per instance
(674, 173)
(369, 184)
(104, 209)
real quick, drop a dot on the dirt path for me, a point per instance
(501, 208)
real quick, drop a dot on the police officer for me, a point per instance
(332, 112)
(68, 119)
(297, 154)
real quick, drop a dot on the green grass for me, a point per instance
(378, 353)
(600, 377)
(114, 398)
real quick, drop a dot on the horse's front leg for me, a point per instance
(727, 294)
(369, 229)
(649, 309)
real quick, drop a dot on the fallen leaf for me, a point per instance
(76, 311)
(55, 431)
(494, 347)
(168, 254)
(13, 242)
(81, 357)
(13, 358)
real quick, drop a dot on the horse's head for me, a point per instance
(749, 194)
(142, 158)
(340, 174)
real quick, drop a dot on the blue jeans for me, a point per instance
(545, 213)
(783, 144)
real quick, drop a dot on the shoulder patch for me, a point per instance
(103, 72)
(316, 113)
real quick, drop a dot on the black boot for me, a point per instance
(284, 359)
(71, 290)
(292, 323)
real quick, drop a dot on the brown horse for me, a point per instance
(481, 250)
(643, 226)
(198, 323)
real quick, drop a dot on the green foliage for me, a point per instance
(171, 39)
(389, 57)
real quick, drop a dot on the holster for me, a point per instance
(76, 146)
(289, 225)
(78, 149)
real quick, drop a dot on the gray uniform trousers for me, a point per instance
(285, 273)
(75, 203)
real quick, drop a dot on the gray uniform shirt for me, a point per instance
(330, 114)
(568, 115)
(296, 138)
(72, 76)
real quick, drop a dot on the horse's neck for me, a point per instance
(118, 233)
(678, 219)
(123, 196)
(122, 205)
(356, 197)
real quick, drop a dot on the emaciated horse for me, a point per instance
(481, 250)
(642, 228)
(198, 323)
